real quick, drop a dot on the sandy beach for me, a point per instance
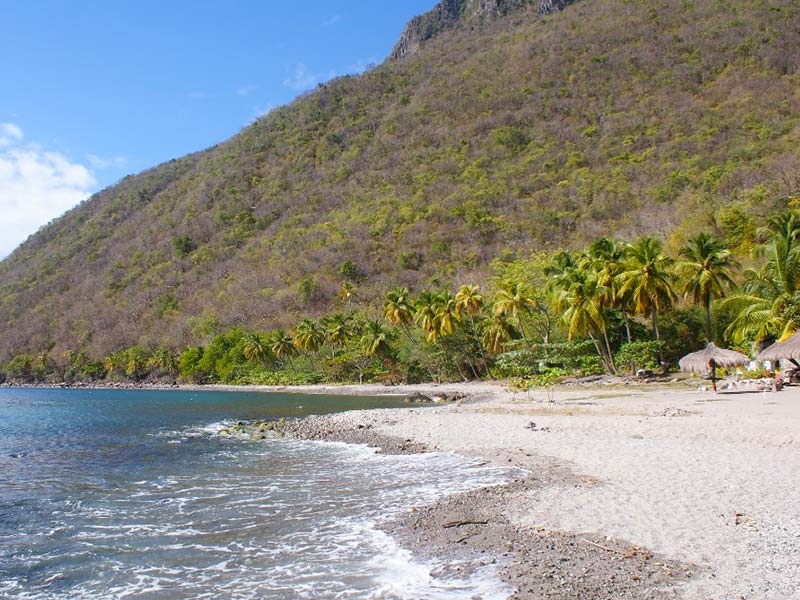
(703, 486)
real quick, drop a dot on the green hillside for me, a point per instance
(500, 135)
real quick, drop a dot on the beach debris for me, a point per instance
(606, 548)
(533, 427)
(671, 411)
(451, 524)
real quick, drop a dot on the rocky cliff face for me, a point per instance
(448, 14)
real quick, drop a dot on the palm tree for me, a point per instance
(254, 347)
(646, 279)
(375, 338)
(426, 315)
(164, 360)
(496, 333)
(282, 345)
(309, 336)
(706, 272)
(606, 257)
(447, 313)
(111, 363)
(469, 302)
(583, 311)
(398, 310)
(347, 292)
(514, 299)
(769, 304)
(337, 331)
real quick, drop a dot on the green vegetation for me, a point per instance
(611, 308)
(486, 158)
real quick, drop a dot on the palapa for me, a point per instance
(787, 349)
(711, 357)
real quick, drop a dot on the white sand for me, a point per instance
(671, 484)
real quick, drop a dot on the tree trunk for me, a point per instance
(610, 354)
(404, 327)
(707, 307)
(478, 341)
(658, 337)
(599, 350)
(522, 333)
(627, 325)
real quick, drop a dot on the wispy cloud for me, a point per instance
(36, 185)
(9, 134)
(245, 90)
(302, 78)
(332, 21)
(96, 162)
(362, 65)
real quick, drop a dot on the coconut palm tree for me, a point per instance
(112, 363)
(470, 302)
(375, 338)
(513, 299)
(165, 361)
(769, 303)
(647, 280)
(498, 330)
(337, 331)
(254, 347)
(282, 345)
(347, 292)
(447, 312)
(705, 272)
(308, 336)
(425, 315)
(606, 257)
(398, 310)
(583, 312)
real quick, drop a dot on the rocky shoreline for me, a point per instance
(477, 527)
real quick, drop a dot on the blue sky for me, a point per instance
(96, 90)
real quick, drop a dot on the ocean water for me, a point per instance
(131, 494)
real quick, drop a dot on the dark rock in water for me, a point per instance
(17, 455)
(417, 397)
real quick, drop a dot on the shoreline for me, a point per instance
(633, 493)
(476, 528)
(646, 491)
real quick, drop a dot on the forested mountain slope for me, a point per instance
(504, 133)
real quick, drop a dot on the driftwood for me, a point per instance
(452, 524)
(606, 548)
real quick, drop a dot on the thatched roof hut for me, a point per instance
(787, 349)
(711, 357)
(700, 361)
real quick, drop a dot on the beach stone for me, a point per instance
(417, 398)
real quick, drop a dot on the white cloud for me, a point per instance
(96, 162)
(361, 65)
(332, 21)
(245, 90)
(9, 134)
(36, 186)
(302, 79)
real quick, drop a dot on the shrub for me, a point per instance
(639, 355)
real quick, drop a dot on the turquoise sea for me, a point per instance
(131, 494)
